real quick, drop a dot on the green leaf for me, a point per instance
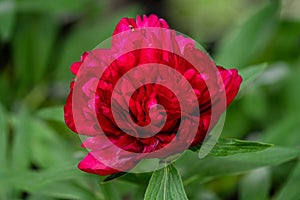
(110, 192)
(290, 189)
(117, 190)
(38, 197)
(33, 181)
(226, 147)
(3, 137)
(256, 185)
(250, 74)
(203, 170)
(6, 88)
(165, 184)
(32, 46)
(55, 113)
(7, 18)
(136, 178)
(250, 39)
(275, 133)
(4, 189)
(35, 142)
(113, 176)
(258, 97)
(50, 141)
(54, 6)
(21, 146)
(63, 190)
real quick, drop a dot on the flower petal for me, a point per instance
(108, 161)
(76, 65)
(232, 81)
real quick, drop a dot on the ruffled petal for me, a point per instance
(125, 24)
(232, 82)
(108, 161)
(76, 65)
(92, 165)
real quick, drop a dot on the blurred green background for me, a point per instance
(39, 40)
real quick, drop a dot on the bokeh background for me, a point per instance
(39, 40)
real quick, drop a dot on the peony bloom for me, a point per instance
(120, 115)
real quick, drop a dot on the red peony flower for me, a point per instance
(141, 97)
